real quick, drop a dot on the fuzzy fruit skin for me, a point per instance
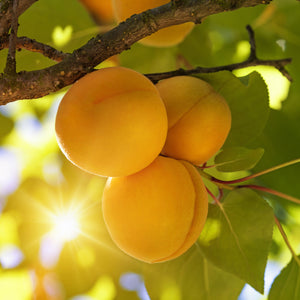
(101, 9)
(199, 119)
(156, 214)
(112, 122)
(165, 37)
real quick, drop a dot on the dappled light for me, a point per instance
(10, 256)
(61, 36)
(278, 85)
(16, 285)
(134, 282)
(9, 171)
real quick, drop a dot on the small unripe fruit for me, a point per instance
(199, 118)
(158, 213)
(111, 122)
(165, 37)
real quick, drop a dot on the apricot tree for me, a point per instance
(202, 176)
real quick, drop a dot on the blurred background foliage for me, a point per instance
(43, 257)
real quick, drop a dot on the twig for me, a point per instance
(277, 63)
(252, 43)
(35, 46)
(10, 67)
(6, 15)
(284, 236)
(251, 61)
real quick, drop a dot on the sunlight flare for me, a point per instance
(66, 226)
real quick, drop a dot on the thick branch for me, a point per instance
(35, 84)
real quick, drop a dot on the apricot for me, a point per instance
(156, 214)
(102, 10)
(111, 122)
(199, 119)
(165, 37)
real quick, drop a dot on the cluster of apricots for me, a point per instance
(108, 11)
(146, 139)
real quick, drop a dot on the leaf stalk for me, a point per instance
(284, 236)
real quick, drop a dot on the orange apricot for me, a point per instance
(156, 214)
(199, 118)
(102, 10)
(111, 122)
(165, 37)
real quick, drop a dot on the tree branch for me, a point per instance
(35, 46)
(6, 15)
(10, 68)
(155, 77)
(252, 60)
(35, 84)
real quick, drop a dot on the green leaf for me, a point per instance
(192, 277)
(287, 283)
(32, 22)
(238, 159)
(146, 59)
(248, 101)
(280, 140)
(42, 21)
(196, 47)
(238, 235)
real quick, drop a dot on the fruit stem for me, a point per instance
(216, 200)
(220, 193)
(284, 236)
(205, 166)
(270, 191)
(220, 183)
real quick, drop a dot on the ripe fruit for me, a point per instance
(102, 10)
(199, 118)
(112, 122)
(158, 213)
(165, 37)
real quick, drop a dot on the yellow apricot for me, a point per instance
(111, 122)
(165, 37)
(102, 10)
(158, 213)
(199, 118)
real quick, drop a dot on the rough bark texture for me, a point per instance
(35, 84)
(6, 14)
